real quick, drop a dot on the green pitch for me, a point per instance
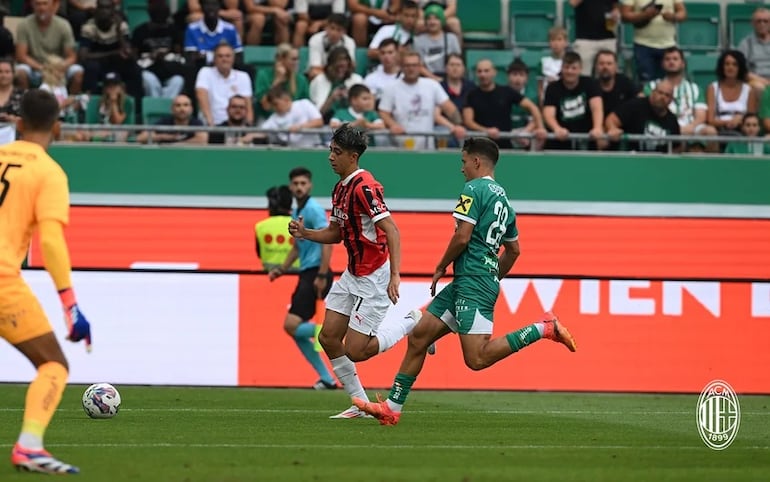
(234, 435)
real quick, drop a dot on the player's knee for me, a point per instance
(417, 343)
(475, 362)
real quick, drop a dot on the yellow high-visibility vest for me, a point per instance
(275, 242)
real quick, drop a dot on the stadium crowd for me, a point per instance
(397, 67)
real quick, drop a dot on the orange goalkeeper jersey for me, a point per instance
(33, 187)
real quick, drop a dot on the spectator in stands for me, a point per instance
(456, 83)
(203, 36)
(550, 65)
(616, 88)
(78, 12)
(388, 70)
(756, 48)
(215, 85)
(293, 116)
(749, 128)
(237, 108)
(159, 46)
(434, 45)
(689, 103)
(654, 31)
(54, 81)
(521, 120)
(368, 16)
(329, 91)
(647, 116)
(310, 17)
(10, 96)
(449, 9)
(573, 104)
(764, 111)
(285, 73)
(7, 46)
(409, 105)
(402, 31)
(115, 108)
(488, 107)
(360, 113)
(730, 96)
(105, 47)
(321, 43)
(181, 115)
(42, 34)
(596, 24)
(258, 12)
(227, 10)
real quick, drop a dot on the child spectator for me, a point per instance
(361, 112)
(115, 108)
(521, 119)
(550, 66)
(435, 44)
(294, 116)
(329, 90)
(749, 128)
(402, 31)
(55, 82)
(320, 44)
(284, 73)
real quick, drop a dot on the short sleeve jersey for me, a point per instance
(33, 188)
(314, 217)
(484, 203)
(357, 204)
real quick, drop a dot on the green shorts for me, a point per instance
(467, 304)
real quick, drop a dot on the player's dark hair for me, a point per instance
(482, 147)
(349, 138)
(300, 171)
(279, 200)
(39, 110)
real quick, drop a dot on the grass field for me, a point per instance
(231, 434)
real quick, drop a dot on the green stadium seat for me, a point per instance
(362, 61)
(739, 22)
(569, 20)
(153, 108)
(136, 16)
(500, 59)
(259, 55)
(482, 21)
(530, 22)
(702, 29)
(701, 68)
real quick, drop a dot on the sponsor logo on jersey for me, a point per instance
(464, 204)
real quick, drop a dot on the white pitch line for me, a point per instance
(394, 447)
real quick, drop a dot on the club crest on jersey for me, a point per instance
(464, 204)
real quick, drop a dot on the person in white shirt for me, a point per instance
(321, 43)
(215, 85)
(329, 91)
(401, 31)
(388, 70)
(409, 105)
(311, 16)
(293, 116)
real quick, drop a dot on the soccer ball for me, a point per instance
(101, 400)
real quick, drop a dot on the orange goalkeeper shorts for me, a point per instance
(21, 316)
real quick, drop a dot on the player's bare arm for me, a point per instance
(507, 258)
(394, 248)
(457, 245)
(328, 235)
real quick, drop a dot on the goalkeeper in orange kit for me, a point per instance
(34, 196)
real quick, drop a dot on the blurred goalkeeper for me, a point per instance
(34, 196)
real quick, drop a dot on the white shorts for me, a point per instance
(363, 298)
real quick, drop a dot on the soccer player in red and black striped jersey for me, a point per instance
(357, 304)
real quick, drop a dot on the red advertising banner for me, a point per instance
(223, 239)
(646, 336)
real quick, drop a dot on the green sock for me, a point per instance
(402, 385)
(523, 337)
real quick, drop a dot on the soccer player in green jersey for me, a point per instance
(484, 221)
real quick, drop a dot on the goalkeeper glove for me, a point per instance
(78, 327)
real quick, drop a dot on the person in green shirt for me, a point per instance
(360, 112)
(484, 222)
(750, 128)
(285, 72)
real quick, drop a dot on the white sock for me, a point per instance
(392, 330)
(396, 407)
(540, 328)
(30, 441)
(345, 370)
